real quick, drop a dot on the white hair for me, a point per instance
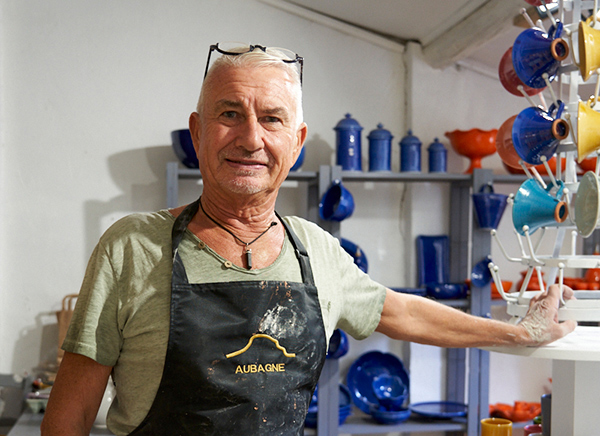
(260, 59)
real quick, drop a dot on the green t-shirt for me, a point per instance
(122, 314)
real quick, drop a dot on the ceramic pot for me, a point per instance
(474, 144)
(536, 52)
(537, 133)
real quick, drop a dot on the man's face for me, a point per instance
(246, 137)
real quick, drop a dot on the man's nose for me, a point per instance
(250, 136)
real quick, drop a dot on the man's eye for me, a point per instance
(270, 119)
(229, 114)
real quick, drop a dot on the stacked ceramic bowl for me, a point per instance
(379, 386)
(345, 404)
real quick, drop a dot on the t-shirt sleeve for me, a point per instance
(350, 299)
(94, 330)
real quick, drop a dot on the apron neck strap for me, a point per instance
(301, 254)
(186, 216)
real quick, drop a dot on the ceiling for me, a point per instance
(476, 31)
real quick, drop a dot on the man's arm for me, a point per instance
(75, 396)
(416, 319)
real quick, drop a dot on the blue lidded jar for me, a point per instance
(348, 144)
(410, 153)
(380, 149)
(438, 157)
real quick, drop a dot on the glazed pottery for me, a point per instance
(587, 204)
(348, 144)
(537, 207)
(338, 344)
(410, 153)
(474, 144)
(380, 149)
(537, 133)
(357, 253)
(489, 207)
(510, 80)
(540, 168)
(446, 291)
(588, 134)
(344, 407)
(433, 259)
(438, 157)
(184, 147)
(506, 285)
(496, 427)
(532, 430)
(337, 203)
(589, 49)
(299, 161)
(532, 285)
(504, 144)
(588, 164)
(390, 391)
(480, 274)
(536, 52)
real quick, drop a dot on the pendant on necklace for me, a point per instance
(249, 258)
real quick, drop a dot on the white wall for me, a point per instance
(90, 91)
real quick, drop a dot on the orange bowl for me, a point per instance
(506, 285)
(474, 144)
(588, 164)
(540, 168)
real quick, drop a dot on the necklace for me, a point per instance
(248, 251)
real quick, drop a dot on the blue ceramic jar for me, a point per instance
(438, 157)
(380, 149)
(410, 153)
(348, 144)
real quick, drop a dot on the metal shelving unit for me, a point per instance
(468, 244)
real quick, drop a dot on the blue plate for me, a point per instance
(440, 409)
(365, 369)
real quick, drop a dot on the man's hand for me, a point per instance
(541, 322)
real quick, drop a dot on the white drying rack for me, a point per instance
(586, 306)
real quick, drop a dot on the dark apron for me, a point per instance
(242, 357)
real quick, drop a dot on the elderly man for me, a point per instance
(214, 318)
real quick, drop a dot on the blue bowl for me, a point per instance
(446, 291)
(338, 344)
(337, 203)
(344, 409)
(184, 148)
(299, 161)
(357, 253)
(383, 416)
(365, 369)
(390, 391)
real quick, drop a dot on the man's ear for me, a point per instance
(301, 134)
